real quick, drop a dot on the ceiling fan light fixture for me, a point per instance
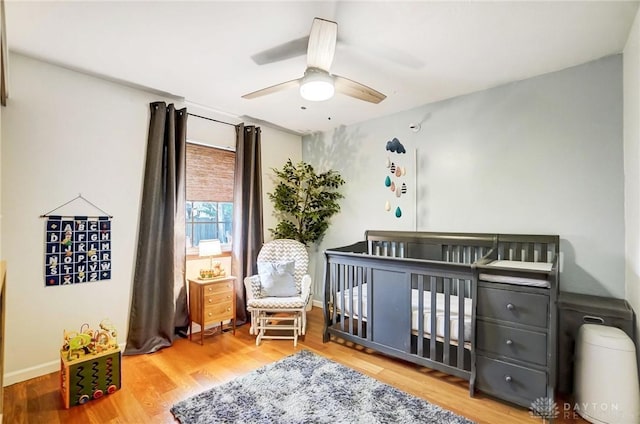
(316, 85)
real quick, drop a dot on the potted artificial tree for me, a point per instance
(304, 201)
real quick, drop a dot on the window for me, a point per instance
(208, 220)
(209, 192)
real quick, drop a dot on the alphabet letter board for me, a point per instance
(77, 250)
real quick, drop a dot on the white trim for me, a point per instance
(37, 371)
(213, 146)
(31, 372)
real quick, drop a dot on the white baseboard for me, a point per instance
(31, 372)
(317, 303)
(24, 374)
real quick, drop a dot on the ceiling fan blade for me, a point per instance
(355, 89)
(322, 44)
(273, 89)
(284, 51)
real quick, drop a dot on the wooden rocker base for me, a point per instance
(264, 321)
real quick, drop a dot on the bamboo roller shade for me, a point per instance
(210, 173)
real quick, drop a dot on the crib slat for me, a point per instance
(369, 304)
(341, 288)
(432, 341)
(420, 338)
(360, 311)
(543, 252)
(349, 284)
(447, 323)
(334, 293)
(461, 318)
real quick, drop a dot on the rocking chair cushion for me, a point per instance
(277, 303)
(276, 279)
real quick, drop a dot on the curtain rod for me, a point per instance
(211, 119)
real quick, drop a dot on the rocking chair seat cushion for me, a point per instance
(277, 303)
(277, 279)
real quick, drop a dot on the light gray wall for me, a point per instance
(64, 133)
(631, 72)
(541, 156)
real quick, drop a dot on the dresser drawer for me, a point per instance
(523, 345)
(219, 312)
(510, 382)
(519, 307)
(212, 299)
(222, 287)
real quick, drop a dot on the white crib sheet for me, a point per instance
(439, 313)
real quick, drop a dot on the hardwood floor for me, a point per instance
(152, 383)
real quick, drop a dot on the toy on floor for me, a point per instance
(89, 341)
(89, 364)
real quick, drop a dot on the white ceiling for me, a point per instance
(415, 52)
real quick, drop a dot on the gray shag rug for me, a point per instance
(308, 388)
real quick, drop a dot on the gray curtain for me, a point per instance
(247, 212)
(159, 302)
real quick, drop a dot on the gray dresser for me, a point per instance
(515, 356)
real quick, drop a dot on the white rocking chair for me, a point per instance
(280, 313)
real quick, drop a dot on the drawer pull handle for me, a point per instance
(590, 319)
(509, 342)
(210, 314)
(228, 309)
(508, 379)
(510, 306)
(210, 300)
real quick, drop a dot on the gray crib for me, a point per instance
(478, 306)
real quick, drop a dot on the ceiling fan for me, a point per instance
(318, 84)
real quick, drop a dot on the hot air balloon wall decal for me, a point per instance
(395, 181)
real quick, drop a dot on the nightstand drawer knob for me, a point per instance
(210, 314)
(510, 306)
(228, 309)
(210, 300)
(508, 379)
(509, 342)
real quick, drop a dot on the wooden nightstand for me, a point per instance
(211, 301)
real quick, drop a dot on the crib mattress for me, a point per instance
(343, 299)
(514, 279)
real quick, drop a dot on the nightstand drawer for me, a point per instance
(510, 382)
(508, 305)
(523, 345)
(217, 298)
(221, 287)
(220, 312)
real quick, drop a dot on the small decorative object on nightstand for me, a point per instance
(211, 248)
(212, 301)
